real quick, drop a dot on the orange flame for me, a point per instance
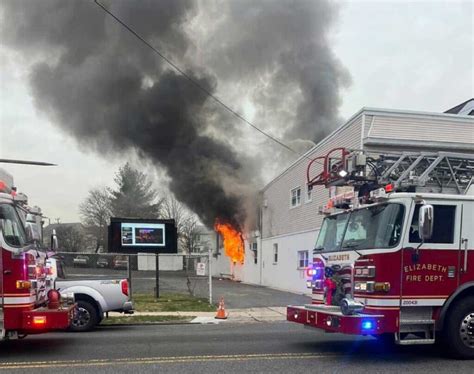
(233, 242)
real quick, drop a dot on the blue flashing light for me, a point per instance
(318, 272)
(367, 325)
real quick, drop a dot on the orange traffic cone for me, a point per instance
(221, 310)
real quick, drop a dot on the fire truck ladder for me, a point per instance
(439, 172)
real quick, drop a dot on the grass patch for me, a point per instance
(131, 320)
(171, 303)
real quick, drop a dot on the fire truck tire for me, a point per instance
(459, 330)
(86, 317)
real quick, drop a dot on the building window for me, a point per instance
(295, 197)
(309, 194)
(275, 253)
(253, 248)
(198, 238)
(303, 259)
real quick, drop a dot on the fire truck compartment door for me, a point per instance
(1, 292)
(429, 278)
(466, 252)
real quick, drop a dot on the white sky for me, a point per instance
(401, 55)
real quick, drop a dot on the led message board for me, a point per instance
(131, 235)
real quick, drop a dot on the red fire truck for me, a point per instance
(394, 257)
(29, 304)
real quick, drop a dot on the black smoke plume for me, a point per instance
(109, 91)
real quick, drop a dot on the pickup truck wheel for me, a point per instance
(85, 317)
(459, 330)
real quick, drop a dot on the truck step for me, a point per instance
(415, 341)
(417, 322)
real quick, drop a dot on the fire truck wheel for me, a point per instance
(459, 332)
(85, 317)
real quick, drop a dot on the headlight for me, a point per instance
(364, 271)
(370, 287)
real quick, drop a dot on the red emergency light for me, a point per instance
(4, 187)
(389, 188)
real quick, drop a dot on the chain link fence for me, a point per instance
(177, 273)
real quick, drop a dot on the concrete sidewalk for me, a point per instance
(266, 314)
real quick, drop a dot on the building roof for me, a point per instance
(465, 108)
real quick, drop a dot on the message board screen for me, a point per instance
(133, 235)
(143, 234)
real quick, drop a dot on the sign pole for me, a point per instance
(129, 269)
(209, 269)
(157, 286)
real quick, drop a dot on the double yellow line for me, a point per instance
(158, 360)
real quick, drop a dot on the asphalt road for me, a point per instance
(225, 348)
(237, 295)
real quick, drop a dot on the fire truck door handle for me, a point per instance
(7, 272)
(465, 241)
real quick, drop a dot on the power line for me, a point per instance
(25, 162)
(191, 79)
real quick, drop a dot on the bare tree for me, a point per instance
(71, 238)
(189, 232)
(186, 222)
(173, 209)
(95, 213)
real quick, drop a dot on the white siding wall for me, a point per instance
(251, 271)
(285, 274)
(221, 266)
(421, 128)
(278, 217)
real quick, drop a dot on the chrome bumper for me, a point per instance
(127, 306)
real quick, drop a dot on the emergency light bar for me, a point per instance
(6, 181)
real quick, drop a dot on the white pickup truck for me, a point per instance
(94, 298)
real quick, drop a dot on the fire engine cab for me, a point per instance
(394, 257)
(29, 304)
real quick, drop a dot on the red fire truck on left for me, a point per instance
(29, 304)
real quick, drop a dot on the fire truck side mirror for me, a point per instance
(54, 241)
(425, 222)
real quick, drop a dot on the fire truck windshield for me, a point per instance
(377, 226)
(11, 226)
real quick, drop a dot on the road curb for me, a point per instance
(146, 324)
